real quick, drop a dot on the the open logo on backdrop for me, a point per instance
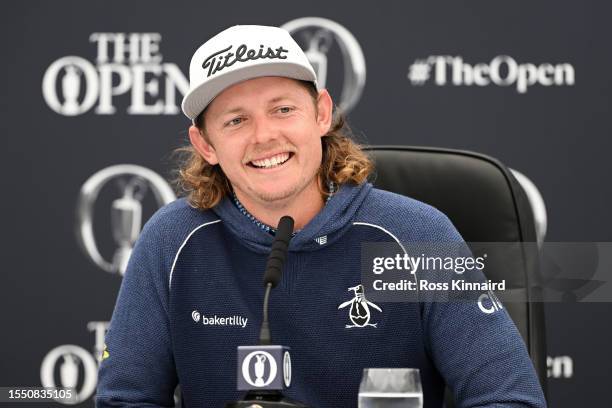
(72, 367)
(133, 183)
(126, 66)
(317, 36)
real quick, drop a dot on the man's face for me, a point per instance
(265, 133)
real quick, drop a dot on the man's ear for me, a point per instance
(325, 108)
(198, 141)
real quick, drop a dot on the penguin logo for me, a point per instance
(360, 308)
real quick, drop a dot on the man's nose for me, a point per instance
(264, 130)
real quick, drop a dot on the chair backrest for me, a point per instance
(486, 204)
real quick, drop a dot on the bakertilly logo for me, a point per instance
(237, 321)
(217, 62)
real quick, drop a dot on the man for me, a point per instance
(265, 144)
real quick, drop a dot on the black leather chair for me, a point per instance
(486, 204)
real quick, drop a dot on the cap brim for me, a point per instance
(198, 98)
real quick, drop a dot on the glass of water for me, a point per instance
(390, 388)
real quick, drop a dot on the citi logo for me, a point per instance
(127, 66)
(502, 70)
(488, 303)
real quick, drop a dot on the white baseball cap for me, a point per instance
(239, 53)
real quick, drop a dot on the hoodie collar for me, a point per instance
(326, 227)
(331, 188)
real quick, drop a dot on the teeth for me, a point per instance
(271, 162)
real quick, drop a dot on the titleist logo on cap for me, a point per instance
(216, 62)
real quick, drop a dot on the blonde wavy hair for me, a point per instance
(343, 161)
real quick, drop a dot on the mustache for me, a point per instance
(268, 150)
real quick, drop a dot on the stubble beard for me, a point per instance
(279, 198)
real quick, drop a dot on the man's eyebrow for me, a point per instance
(238, 109)
(279, 98)
(233, 110)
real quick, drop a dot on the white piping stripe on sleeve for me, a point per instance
(183, 244)
(392, 236)
(384, 230)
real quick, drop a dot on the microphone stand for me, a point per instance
(272, 275)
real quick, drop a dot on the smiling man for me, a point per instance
(265, 143)
(265, 133)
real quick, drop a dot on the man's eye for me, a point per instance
(285, 109)
(234, 122)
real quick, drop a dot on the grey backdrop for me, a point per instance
(559, 136)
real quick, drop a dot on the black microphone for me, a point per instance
(265, 370)
(274, 271)
(276, 259)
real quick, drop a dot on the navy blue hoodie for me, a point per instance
(193, 292)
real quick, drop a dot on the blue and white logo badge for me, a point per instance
(263, 365)
(359, 312)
